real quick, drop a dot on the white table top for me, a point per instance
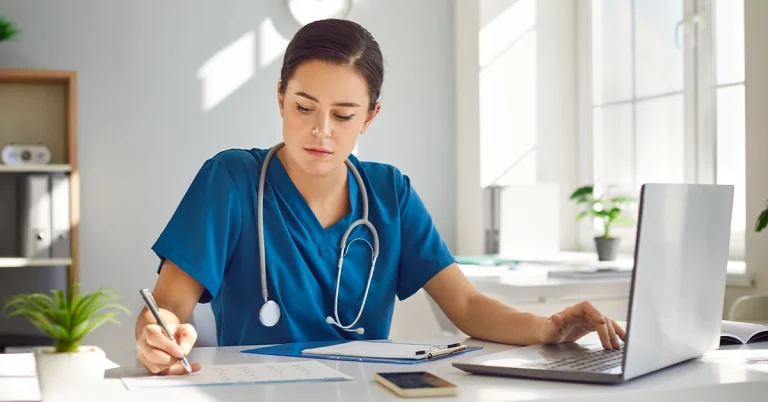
(702, 380)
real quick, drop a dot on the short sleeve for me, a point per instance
(423, 252)
(202, 233)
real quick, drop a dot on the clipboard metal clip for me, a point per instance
(441, 350)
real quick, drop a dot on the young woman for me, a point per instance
(304, 242)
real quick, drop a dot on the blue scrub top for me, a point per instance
(213, 236)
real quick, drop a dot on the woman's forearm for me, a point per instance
(491, 320)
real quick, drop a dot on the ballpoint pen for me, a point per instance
(150, 302)
(440, 350)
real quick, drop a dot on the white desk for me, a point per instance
(698, 380)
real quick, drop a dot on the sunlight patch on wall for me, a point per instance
(227, 71)
(272, 43)
(504, 30)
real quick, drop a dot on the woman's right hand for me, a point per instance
(161, 356)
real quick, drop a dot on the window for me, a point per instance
(663, 99)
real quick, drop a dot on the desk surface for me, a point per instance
(702, 380)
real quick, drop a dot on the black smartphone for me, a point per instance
(414, 384)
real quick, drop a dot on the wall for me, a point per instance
(515, 59)
(756, 98)
(165, 85)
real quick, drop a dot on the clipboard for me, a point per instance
(296, 350)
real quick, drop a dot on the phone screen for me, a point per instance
(415, 380)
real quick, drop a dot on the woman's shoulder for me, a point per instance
(239, 156)
(239, 162)
(388, 177)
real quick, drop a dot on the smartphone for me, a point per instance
(414, 384)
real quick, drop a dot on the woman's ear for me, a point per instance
(371, 115)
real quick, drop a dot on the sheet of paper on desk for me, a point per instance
(23, 365)
(242, 374)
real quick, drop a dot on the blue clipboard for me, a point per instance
(294, 350)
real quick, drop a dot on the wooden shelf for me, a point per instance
(52, 168)
(14, 262)
(39, 106)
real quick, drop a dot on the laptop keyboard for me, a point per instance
(593, 360)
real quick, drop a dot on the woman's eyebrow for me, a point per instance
(312, 98)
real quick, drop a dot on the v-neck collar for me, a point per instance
(323, 237)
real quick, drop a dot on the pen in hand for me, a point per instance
(152, 306)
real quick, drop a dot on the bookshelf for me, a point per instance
(39, 106)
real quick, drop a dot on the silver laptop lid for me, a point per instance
(681, 255)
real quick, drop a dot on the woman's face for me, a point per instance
(324, 110)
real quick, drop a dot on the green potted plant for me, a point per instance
(762, 219)
(7, 29)
(66, 319)
(610, 210)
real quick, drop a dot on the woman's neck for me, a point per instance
(319, 191)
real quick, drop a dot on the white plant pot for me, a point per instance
(63, 375)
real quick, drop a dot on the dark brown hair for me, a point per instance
(336, 41)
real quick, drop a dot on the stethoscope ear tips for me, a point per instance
(329, 320)
(360, 331)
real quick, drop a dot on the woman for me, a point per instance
(313, 191)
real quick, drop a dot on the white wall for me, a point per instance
(143, 130)
(756, 98)
(517, 60)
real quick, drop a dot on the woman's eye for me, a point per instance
(345, 118)
(301, 109)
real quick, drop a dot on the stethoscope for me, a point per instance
(269, 314)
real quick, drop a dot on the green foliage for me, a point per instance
(609, 210)
(66, 318)
(762, 220)
(7, 29)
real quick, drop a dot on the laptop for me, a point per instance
(675, 302)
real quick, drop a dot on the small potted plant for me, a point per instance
(7, 29)
(610, 210)
(66, 319)
(762, 219)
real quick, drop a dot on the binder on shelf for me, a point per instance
(60, 219)
(35, 216)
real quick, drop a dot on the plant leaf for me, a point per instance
(623, 200)
(602, 213)
(622, 220)
(583, 192)
(762, 221)
(95, 322)
(614, 213)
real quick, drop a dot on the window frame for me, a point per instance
(699, 105)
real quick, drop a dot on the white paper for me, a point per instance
(17, 365)
(238, 374)
(23, 365)
(384, 350)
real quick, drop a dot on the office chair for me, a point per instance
(751, 308)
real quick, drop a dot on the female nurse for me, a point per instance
(260, 233)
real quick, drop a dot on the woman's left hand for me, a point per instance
(578, 320)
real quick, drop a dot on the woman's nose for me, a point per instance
(323, 127)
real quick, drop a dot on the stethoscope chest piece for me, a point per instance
(269, 314)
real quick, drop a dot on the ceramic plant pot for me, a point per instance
(61, 375)
(607, 248)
